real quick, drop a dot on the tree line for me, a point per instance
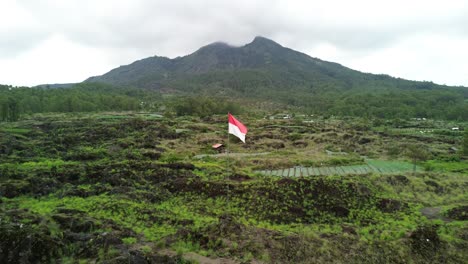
(84, 97)
(377, 96)
(449, 104)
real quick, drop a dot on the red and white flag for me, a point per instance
(237, 128)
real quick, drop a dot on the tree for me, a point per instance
(417, 153)
(465, 144)
(13, 110)
(3, 110)
(9, 109)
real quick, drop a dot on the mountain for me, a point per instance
(261, 63)
(271, 63)
(265, 70)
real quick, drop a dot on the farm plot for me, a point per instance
(371, 166)
(385, 166)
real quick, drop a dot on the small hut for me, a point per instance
(218, 147)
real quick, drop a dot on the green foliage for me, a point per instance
(417, 153)
(85, 97)
(203, 106)
(129, 240)
(446, 166)
(9, 107)
(94, 187)
(390, 166)
(402, 103)
(171, 158)
(465, 143)
(182, 247)
(146, 249)
(363, 101)
(15, 130)
(129, 214)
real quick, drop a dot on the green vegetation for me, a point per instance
(128, 186)
(417, 153)
(448, 166)
(84, 97)
(465, 143)
(338, 167)
(9, 109)
(202, 106)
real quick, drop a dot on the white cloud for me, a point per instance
(19, 31)
(411, 39)
(421, 57)
(55, 60)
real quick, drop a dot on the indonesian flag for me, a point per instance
(237, 128)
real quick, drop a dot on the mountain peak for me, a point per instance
(218, 44)
(259, 40)
(213, 47)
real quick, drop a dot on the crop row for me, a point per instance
(370, 167)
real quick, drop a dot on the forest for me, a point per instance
(90, 97)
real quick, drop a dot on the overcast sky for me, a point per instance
(60, 41)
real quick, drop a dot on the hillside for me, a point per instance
(268, 63)
(267, 71)
(141, 188)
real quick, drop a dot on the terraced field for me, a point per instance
(371, 166)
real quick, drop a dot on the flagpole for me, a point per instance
(227, 162)
(239, 130)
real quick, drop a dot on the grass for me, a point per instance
(15, 130)
(446, 166)
(129, 240)
(45, 163)
(100, 168)
(392, 166)
(127, 213)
